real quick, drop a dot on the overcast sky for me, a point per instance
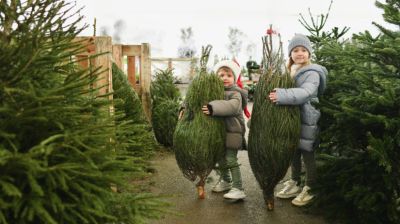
(158, 22)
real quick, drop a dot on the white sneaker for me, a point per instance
(235, 194)
(222, 186)
(303, 198)
(290, 190)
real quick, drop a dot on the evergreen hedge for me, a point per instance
(359, 172)
(129, 111)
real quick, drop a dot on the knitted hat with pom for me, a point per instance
(230, 64)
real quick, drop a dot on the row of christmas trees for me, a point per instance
(65, 155)
(359, 156)
(62, 151)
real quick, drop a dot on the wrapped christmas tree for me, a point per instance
(199, 139)
(275, 129)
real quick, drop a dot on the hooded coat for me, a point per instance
(310, 82)
(231, 109)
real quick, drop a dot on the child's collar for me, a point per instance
(229, 87)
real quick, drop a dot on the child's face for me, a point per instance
(226, 76)
(300, 55)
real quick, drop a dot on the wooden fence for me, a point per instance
(136, 54)
(193, 62)
(108, 52)
(102, 46)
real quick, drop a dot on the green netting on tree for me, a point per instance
(199, 139)
(165, 105)
(275, 129)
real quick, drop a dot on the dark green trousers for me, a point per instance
(229, 169)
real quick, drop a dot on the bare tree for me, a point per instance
(187, 48)
(104, 31)
(250, 50)
(216, 59)
(235, 41)
(119, 26)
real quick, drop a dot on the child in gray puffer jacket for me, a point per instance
(310, 82)
(231, 109)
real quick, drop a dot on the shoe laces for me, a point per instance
(286, 188)
(288, 185)
(303, 193)
(235, 190)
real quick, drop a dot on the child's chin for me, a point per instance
(228, 85)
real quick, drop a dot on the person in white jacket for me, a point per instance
(310, 82)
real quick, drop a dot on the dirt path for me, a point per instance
(214, 209)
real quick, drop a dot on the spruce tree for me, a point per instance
(59, 154)
(165, 98)
(359, 179)
(136, 129)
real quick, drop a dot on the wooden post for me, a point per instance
(138, 86)
(98, 45)
(90, 48)
(145, 65)
(170, 63)
(132, 71)
(117, 55)
(104, 45)
(133, 52)
(83, 61)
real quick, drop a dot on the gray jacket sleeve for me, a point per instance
(231, 107)
(301, 94)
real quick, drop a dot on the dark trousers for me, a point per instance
(309, 162)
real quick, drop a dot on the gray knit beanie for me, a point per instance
(300, 40)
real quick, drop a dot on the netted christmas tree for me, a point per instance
(359, 172)
(275, 129)
(199, 139)
(59, 154)
(165, 106)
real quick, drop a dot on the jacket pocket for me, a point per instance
(309, 131)
(234, 141)
(309, 115)
(233, 125)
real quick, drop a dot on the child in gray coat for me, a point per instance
(310, 81)
(231, 109)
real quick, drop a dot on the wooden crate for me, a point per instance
(134, 54)
(98, 45)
